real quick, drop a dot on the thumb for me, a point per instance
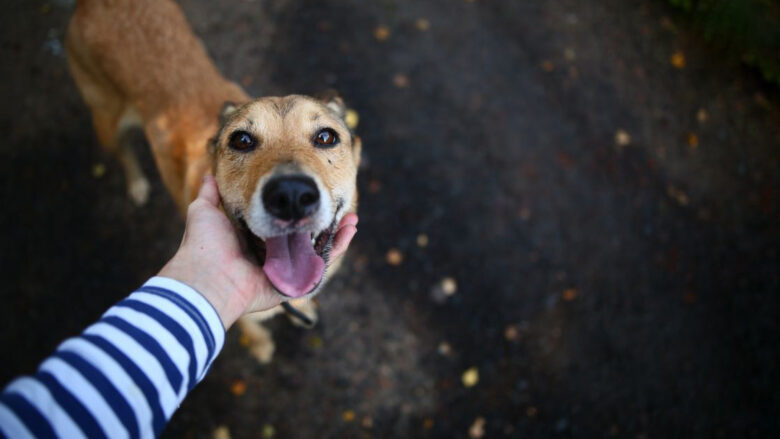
(209, 192)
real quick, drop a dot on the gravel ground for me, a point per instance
(597, 184)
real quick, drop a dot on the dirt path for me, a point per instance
(610, 220)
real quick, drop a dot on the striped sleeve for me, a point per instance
(125, 375)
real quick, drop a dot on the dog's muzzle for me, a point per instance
(291, 197)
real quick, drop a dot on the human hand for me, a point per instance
(211, 261)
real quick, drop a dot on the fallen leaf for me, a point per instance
(530, 411)
(348, 416)
(702, 115)
(511, 333)
(678, 195)
(394, 257)
(268, 431)
(622, 138)
(221, 432)
(400, 80)
(678, 60)
(428, 423)
(449, 286)
(367, 422)
(315, 341)
(569, 54)
(374, 186)
(422, 24)
(548, 66)
(381, 33)
(422, 240)
(569, 294)
(470, 377)
(46, 8)
(477, 429)
(693, 140)
(98, 170)
(351, 118)
(238, 387)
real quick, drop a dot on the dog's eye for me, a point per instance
(326, 138)
(242, 141)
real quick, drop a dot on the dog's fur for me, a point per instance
(138, 64)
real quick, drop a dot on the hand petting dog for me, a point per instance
(210, 259)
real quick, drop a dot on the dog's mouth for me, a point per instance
(295, 263)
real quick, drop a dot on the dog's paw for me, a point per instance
(263, 350)
(138, 190)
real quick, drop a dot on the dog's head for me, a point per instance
(286, 169)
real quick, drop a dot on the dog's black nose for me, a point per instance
(291, 197)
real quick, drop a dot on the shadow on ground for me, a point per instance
(610, 221)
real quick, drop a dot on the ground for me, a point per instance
(599, 182)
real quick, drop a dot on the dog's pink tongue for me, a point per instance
(292, 265)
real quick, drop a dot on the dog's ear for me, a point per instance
(333, 101)
(228, 108)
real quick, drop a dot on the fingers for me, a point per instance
(209, 192)
(349, 219)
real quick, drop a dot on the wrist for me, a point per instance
(216, 288)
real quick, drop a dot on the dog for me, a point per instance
(286, 167)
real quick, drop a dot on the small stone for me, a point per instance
(394, 257)
(381, 33)
(444, 349)
(422, 240)
(477, 429)
(470, 377)
(367, 422)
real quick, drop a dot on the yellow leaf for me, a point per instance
(470, 377)
(348, 416)
(394, 257)
(381, 33)
(238, 387)
(678, 60)
(422, 24)
(693, 140)
(351, 118)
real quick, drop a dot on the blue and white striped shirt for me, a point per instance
(125, 375)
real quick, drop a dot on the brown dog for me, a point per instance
(286, 167)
